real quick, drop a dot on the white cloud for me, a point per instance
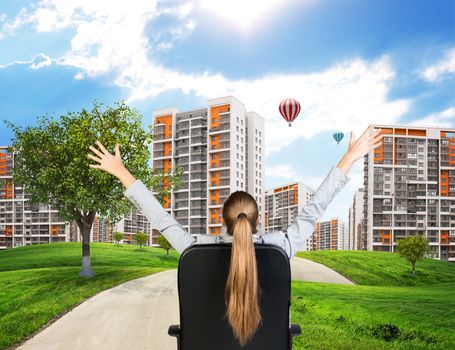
(443, 119)
(111, 38)
(441, 69)
(284, 171)
(37, 61)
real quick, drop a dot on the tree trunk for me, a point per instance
(85, 226)
(413, 269)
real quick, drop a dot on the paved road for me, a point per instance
(137, 314)
(307, 270)
(132, 316)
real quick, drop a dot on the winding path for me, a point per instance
(136, 315)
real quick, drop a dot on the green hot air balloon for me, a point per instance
(338, 136)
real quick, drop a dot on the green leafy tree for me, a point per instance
(164, 243)
(141, 238)
(51, 163)
(118, 236)
(413, 248)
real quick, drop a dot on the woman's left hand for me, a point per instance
(368, 141)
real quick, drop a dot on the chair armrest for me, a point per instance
(174, 330)
(295, 330)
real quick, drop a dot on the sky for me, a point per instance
(349, 63)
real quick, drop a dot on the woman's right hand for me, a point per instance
(368, 141)
(110, 163)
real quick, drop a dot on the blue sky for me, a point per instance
(348, 62)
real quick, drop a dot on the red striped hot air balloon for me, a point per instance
(289, 109)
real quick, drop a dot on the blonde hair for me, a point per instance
(240, 213)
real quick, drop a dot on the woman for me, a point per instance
(240, 218)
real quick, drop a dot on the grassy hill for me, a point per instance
(383, 269)
(39, 282)
(387, 310)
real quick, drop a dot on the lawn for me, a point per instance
(383, 269)
(38, 283)
(389, 310)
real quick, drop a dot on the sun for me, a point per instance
(244, 13)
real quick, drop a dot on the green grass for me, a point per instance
(41, 282)
(383, 269)
(387, 310)
(351, 317)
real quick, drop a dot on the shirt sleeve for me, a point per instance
(158, 217)
(305, 222)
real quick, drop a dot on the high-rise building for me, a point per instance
(20, 222)
(409, 188)
(331, 235)
(129, 225)
(282, 204)
(101, 232)
(356, 239)
(221, 150)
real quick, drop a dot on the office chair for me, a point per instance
(202, 275)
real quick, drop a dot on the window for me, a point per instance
(237, 155)
(241, 130)
(213, 165)
(241, 122)
(237, 128)
(213, 202)
(213, 229)
(237, 137)
(241, 157)
(213, 183)
(213, 192)
(237, 183)
(256, 131)
(238, 147)
(259, 157)
(241, 148)
(237, 174)
(213, 156)
(259, 134)
(241, 166)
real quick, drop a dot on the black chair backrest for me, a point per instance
(202, 275)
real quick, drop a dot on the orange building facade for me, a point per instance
(409, 189)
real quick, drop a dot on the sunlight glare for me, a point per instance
(244, 13)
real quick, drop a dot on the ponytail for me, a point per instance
(243, 313)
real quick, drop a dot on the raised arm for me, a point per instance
(142, 198)
(305, 221)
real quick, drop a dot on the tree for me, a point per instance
(51, 163)
(163, 242)
(413, 248)
(141, 238)
(118, 236)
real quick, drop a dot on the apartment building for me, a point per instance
(331, 235)
(356, 239)
(221, 150)
(282, 204)
(20, 222)
(409, 189)
(101, 232)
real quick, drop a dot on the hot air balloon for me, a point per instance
(338, 136)
(289, 109)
